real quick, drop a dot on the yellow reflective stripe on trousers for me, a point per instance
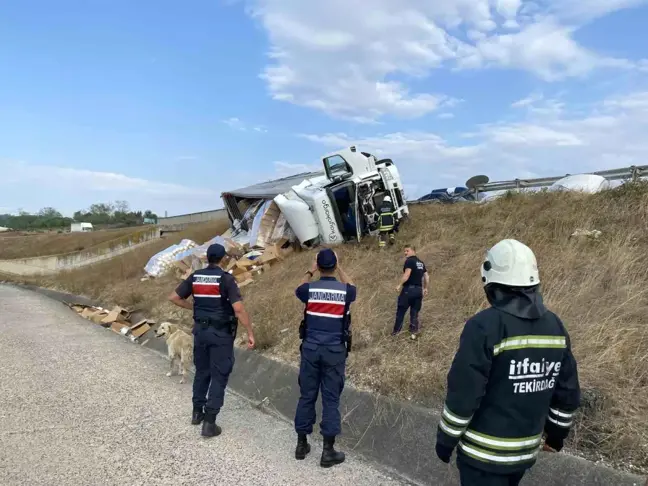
(524, 342)
(482, 455)
(501, 443)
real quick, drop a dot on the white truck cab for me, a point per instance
(336, 205)
(342, 204)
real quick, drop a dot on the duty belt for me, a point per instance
(229, 325)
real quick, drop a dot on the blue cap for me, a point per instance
(216, 251)
(326, 259)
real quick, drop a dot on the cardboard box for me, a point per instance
(118, 326)
(88, 311)
(97, 317)
(117, 314)
(140, 328)
(243, 277)
(271, 255)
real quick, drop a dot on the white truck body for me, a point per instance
(341, 204)
(80, 227)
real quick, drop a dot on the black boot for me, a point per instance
(209, 427)
(197, 416)
(303, 447)
(330, 457)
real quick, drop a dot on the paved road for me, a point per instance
(80, 406)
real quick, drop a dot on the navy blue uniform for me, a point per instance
(214, 291)
(411, 296)
(513, 377)
(323, 353)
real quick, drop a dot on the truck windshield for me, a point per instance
(335, 165)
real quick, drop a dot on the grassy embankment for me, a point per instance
(26, 245)
(598, 287)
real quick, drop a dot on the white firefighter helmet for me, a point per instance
(387, 198)
(511, 263)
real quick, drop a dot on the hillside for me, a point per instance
(24, 245)
(597, 286)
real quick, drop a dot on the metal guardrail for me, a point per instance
(631, 173)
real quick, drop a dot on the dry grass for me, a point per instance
(28, 245)
(598, 287)
(117, 281)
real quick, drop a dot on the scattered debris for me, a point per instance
(269, 241)
(595, 234)
(117, 320)
(116, 315)
(262, 403)
(161, 263)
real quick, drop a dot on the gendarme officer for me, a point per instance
(217, 307)
(325, 332)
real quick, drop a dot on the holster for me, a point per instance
(348, 335)
(228, 325)
(349, 340)
(233, 326)
(302, 329)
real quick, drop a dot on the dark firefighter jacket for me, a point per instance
(512, 377)
(386, 219)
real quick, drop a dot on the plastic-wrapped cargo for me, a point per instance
(263, 224)
(282, 231)
(589, 183)
(162, 263)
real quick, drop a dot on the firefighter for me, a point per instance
(386, 222)
(325, 334)
(512, 378)
(217, 307)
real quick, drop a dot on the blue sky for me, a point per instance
(167, 104)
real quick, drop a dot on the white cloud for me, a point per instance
(352, 60)
(285, 169)
(234, 123)
(545, 142)
(95, 181)
(237, 124)
(68, 189)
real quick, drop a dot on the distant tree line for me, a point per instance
(117, 214)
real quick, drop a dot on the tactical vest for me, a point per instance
(326, 312)
(206, 291)
(386, 218)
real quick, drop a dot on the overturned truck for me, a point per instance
(336, 205)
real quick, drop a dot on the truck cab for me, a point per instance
(341, 205)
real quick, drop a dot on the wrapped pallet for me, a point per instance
(264, 224)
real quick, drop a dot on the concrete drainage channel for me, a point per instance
(397, 435)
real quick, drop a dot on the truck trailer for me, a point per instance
(338, 204)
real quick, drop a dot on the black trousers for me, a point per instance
(410, 298)
(214, 361)
(471, 476)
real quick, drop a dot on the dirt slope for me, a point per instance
(599, 287)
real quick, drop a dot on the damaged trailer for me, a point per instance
(336, 205)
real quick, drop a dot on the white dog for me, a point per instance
(179, 346)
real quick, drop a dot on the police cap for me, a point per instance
(215, 252)
(326, 259)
